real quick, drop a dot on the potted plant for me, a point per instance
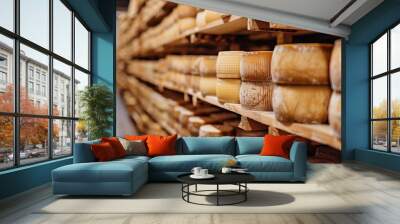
(96, 102)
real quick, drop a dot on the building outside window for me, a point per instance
(3, 72)
(43, 90)
(57, 128)
(30, 87)
(30, 72)
(385, 94)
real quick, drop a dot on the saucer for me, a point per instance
(208, 176)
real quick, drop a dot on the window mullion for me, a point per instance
(16, 85)
(50, 81)
(73, 81)
(389, 104)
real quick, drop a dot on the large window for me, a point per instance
(385, 91)
(44, 64)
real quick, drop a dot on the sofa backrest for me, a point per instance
(249, 145)
(206, 145)
(83, 152)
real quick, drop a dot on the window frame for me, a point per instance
(16, 114)
(388, 74)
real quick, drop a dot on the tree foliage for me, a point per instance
(97, 104)
(33, 131)
(380, 127)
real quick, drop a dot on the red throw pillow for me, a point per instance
(116, 145)
(161, 145)
(103, 152)
(136, 137)
(277, 145)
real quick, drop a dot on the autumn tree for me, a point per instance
(380, 127)
(33, 131)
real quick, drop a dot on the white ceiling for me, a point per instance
(317, 15)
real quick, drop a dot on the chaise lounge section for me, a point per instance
(125, 176)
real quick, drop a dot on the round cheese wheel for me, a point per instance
(303, 104)
(301, 64)
(256, 95)
(256, 66)
(335, 110)
(208, 85)
(228, 64)
(335, 66)
(215, 130)
(207, 66)
(228, 90)
(207, 16)
(183, 11)
(200, 19)
(186, 24)
(195, 82)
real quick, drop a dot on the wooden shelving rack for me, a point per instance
(322, 133)
(257, 30)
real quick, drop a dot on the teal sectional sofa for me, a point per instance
(125, 176)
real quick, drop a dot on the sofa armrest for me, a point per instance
(83, 152)
(298, 155)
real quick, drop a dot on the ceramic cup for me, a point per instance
(226, 170)
(203, 172)
(196, 171)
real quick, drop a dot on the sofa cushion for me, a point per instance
(161, 145)
(112, 171)
(103, 152)
(277, 145)
(116, 145)
(257, 163)
(206, 145)
(185, 163)
(249, 145)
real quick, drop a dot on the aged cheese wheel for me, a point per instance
(228, 64)
(301, 64)
(183, 11)
(228, 90)
(186, 24)
(207, 16)
(256, 95)
(208, 85)
(335, 66)
(195, 82)
(186, 114)
(335, 107)
(256, 66)
(207, 66)
(215, 130)
(303, 104)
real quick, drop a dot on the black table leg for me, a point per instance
(245, 193)
(195, 188)
(217, 194)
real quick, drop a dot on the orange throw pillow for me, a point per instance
(161, 145)
(116, 145)
(277, 145)
(103, 152)
(136, 137)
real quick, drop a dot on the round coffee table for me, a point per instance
(238, 179)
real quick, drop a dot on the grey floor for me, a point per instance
(377, 188)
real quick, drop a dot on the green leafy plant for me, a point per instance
(96, 103)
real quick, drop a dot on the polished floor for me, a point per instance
(379, 190)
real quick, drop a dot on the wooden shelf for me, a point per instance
(321, 133)
(228, 25)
